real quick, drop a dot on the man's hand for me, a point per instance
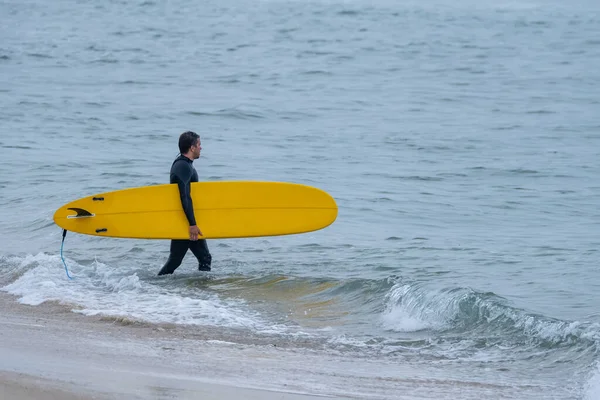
(195, 232)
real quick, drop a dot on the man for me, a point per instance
(183, 174)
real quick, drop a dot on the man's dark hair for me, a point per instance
(187, 140)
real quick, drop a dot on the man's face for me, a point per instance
(196, 149)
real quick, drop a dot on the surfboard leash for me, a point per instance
(61, 253)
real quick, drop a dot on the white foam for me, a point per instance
(400, 320)
(592, 387)
(100, 289)
(347, 341)
(405, 312)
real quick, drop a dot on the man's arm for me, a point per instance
(182, 176)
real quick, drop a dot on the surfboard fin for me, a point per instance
(81, 213)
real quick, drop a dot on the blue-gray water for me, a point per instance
(461, 141)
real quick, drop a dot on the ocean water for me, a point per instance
(461, 141)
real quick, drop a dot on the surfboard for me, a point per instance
(223, 209)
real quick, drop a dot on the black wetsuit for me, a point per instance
(183, 174)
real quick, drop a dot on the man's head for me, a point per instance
(189, 145)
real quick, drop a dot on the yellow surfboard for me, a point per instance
(224, 209)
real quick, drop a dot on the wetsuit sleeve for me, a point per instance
(182, 175)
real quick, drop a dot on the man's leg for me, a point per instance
(178, 250)
(200, 250)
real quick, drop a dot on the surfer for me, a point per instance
(183, 174)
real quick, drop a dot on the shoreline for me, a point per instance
(49, 352)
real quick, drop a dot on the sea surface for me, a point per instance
(460, 140)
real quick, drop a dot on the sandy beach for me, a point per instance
(49, 352)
